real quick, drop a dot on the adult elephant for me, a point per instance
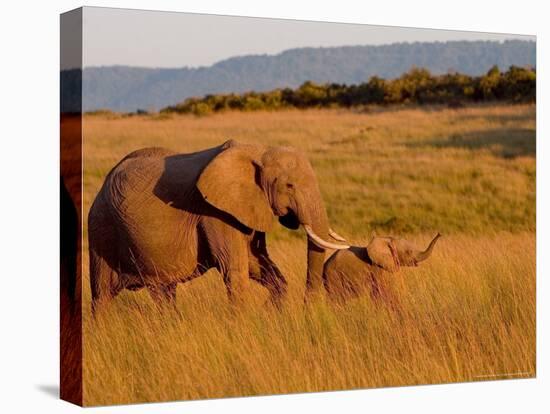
(162, 218)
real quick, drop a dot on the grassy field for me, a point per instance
(468, 313)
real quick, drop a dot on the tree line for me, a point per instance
(417, 86)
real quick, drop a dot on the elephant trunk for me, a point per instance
(316, 253)
(311, 213)
(421, 256)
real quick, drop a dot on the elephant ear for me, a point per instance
(230, 183)
(383, 253)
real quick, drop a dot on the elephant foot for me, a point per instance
(314, 297)
(164, 297)
(275, 302)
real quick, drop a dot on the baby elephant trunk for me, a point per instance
(421, 256)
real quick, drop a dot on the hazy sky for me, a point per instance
(168, 39)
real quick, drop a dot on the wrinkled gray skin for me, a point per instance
(162, 218)
(359, 270)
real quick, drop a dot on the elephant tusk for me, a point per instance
(336, 236)
(323, 243)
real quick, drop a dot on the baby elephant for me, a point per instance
(358, 270)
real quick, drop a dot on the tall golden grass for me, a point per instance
(467, 314)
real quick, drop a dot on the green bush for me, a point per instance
(417, 86)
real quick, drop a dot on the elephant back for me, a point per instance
(346, 273)
(139, 196)
(132, 181)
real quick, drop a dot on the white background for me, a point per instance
(29, 156)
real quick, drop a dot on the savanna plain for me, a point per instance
(466, 314)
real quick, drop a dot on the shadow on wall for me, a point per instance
(51, 390)
(502, 142)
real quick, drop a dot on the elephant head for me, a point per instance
(390, 253)
(255, 184)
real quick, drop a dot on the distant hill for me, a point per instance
(123, 88)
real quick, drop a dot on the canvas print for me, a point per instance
(260, 206)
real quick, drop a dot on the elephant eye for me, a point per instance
(289, 185)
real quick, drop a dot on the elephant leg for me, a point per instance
(264, 271)
(237, 283)
(164, 295)
(384, 294)
(229, 251)
(270, 277)
(104, 281)
(236, 276)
